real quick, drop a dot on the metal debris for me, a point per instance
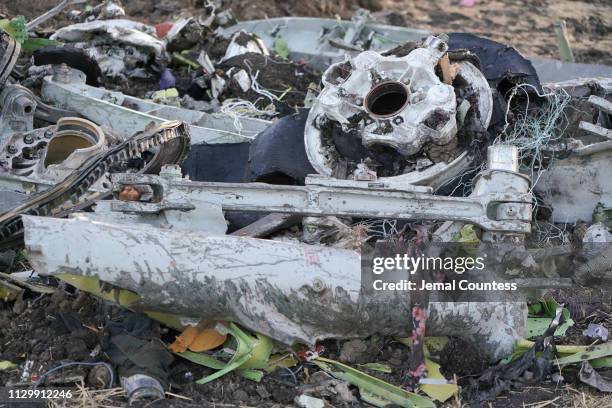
(413, 140)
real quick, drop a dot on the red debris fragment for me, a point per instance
(162, 29)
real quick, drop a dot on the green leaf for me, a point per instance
(535, 308)
(253, 375)
(251, 353)
(16, 28)
(540, 315)
(467, 235)
(383, 368)
(7, 365)
(605, 362)
(590, 353)
(202, 359)
(536, 326)
(33, 44)
(281, 47)
(373, 390)
(441, 391)
(599, 356)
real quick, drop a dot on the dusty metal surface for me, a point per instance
(127, 115)
(575, 185)
(292, 293)
(394, 103)
(496, 190)
(17, 111)
(77, 184)
(324, 41)
(394, 97)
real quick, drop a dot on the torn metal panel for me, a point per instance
(120, 47)
(575, 185)
(322, 41)
(118, 30)
(127, 115)
(292, 293)
(242, 43)
(605, 108)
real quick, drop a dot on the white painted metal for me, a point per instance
(316, 200)
(290, 292)
(108, 108)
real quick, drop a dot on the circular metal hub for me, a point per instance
(386, 99)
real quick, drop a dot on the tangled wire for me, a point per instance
(535, 129)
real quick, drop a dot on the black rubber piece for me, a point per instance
(502, 65)
(278, 154)
(73, 57)
(217, 162)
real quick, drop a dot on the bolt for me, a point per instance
(129, 193)
(318, 285)
(12, 149)
(48, 133)
(28, 139)
(311, 228)
(61, 74)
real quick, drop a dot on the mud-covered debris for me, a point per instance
(533, 365)
(106, 10)
(133, 346)
(589, 376)
(353, 351)
(596, 331)
(142, 387)
(370, 111)
(122, 48)
(306, 401)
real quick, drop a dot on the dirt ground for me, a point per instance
(525, 24)
(69, 326)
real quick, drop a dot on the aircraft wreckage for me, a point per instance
(402, 121)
